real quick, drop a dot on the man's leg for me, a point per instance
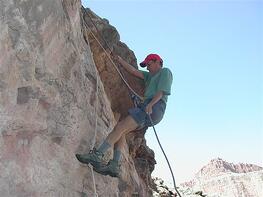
(117, 138)
(118, 148)
(113, 167)
(122, 127)
(126, 125)
(95, 157)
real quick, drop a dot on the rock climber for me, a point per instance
(158, 83)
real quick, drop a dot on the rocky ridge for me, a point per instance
(221, 178)
(218, 166)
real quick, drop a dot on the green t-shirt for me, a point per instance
(160, 81)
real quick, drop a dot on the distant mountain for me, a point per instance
(218, 166)
(224, 179)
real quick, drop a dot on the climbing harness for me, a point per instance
(137, 99)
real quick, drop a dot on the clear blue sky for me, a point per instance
(215, 51)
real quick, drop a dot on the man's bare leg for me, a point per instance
(120, 143)
(118, 148)
(126, 125)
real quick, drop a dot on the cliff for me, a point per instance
(221, 178)
(56, 87)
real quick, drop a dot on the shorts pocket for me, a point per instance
(158, 112)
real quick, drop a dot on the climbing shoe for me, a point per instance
(112, 168)
(94, 157)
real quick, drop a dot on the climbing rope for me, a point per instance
(115, 66)
(94, 182)
(129, 89)
(164, 155)
(96, 123)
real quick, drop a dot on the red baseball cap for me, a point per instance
(149, 58)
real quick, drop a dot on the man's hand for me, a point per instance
(120, 60)
(115, 58)
(129, 68)
(155, 99)
(149, 109)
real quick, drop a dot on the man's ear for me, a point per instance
(161, 63)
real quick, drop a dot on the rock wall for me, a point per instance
(51, 94)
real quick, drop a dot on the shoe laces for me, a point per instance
(95, 151)
(92, 151)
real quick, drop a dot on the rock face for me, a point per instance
(221, 178)
(58, 96)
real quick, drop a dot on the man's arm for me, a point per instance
(130, 68)
(155, 99)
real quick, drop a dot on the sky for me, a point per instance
(215, 52)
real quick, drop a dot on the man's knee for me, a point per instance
(131, 120)
(126, 125)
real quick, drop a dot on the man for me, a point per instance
(158, 83)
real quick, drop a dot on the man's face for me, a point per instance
(153, 66)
